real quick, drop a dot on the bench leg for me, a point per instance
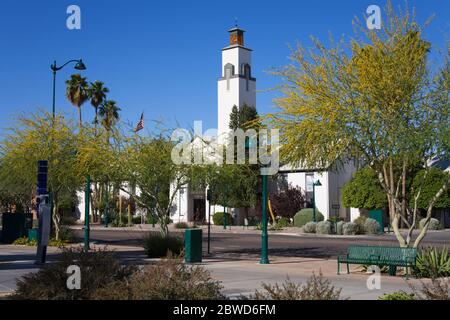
(348, 269)
(338, 271)
(407, 273)
(392, 270)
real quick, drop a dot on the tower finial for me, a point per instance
(236, 22)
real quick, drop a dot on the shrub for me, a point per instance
(284, 222)
(324, 227)
(434, 224)
(134, 220)
(316, 288)
(119, 224)
(218, 218)
(157, 246)
(306, 215)
(398, 295)
(438, 289)
(360, 221)
(310, 227)
(24, 241)
(371, 226)
(433, 263)
(350, 228)
(98, 268)
(253, 221)
(364, 191)
(169, 279)
(66, 234)
(181, 225)
(339, 227)
(288, 202)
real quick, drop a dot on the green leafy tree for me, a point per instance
(434, 179)
(236, 185)
(77, 92)
(375, 100)
(38, 136)
(242, 117)
(364, 191)
(146, 163)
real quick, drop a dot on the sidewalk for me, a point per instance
(239, 276)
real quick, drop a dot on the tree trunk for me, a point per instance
(56, 219)
(129, 212)
(80, 122)
(403, 213)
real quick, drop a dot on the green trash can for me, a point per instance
(378, 216)
(193, 245)
(15, 226)
(32, 234)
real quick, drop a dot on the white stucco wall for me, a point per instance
(321, 193)
(237, 93)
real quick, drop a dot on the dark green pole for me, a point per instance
(225, 210)
(264, 235)
(106, 204)
(87, 197)
(314, 202)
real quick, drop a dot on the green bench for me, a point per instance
(379, 256)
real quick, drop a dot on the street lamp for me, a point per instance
(79, 65)
(315, 184)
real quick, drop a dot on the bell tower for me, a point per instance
(236, 86)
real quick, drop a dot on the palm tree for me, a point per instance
(109, 112)
(77, 93)
(97, 94)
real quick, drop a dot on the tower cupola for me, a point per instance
(236, 36)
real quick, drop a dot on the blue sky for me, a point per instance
(163, 57)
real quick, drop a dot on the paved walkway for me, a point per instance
(239, 276)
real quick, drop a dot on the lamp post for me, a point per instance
(225, 207)
(315, 184)
(79, 65)
(209, 198)
(264, 235)
(87, 195)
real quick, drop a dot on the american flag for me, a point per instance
(140, 124)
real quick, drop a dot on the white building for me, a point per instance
(237, 86)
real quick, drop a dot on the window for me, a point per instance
(228, 72)
(246, 70)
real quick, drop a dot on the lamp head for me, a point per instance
(318, 183)
(80, 65)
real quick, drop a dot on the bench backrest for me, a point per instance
(382, 253)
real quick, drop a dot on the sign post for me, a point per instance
(43, 211)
